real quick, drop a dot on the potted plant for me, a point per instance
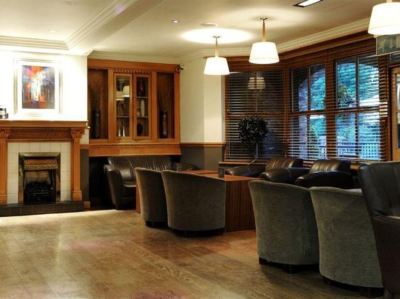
(252, 131)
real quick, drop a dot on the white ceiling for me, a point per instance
(144, 27)
(46, 19)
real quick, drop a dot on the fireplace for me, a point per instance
(39, 178)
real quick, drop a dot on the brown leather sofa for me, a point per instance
(121, 177)
(329, 173)
(257, 170)
(380, 183)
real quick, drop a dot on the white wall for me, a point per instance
(73, 81)
(201, 104)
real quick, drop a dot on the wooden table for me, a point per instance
(239, 213)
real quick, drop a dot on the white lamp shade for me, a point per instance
(385, 19)
(264, 53)
(216, 66)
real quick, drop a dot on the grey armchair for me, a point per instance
(152, 197)
(380, 183)
(121, 177)
(346, 240)
(194, 203)
(285, 224)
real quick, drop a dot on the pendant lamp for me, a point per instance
(216, 65)
(385, 19)
(264, 52)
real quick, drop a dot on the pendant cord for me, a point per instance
(264, 34)
(216, 52)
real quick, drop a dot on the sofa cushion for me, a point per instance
(283, 162)
(330, 165)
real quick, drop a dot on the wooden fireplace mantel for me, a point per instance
(41, 131)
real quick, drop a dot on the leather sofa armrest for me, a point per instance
(245, 170)
(180, 166)
(278, 175)
(115, 184)
(338, 179)
(295, 172)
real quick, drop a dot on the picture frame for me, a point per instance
(37, 88)
(387, 44)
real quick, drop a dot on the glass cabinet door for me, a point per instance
(166, 105)
(142, 106)
(123, 104)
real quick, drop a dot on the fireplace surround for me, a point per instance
(42, 134)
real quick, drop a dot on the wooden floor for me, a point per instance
(111, 254)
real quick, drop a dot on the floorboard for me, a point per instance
(112, 254)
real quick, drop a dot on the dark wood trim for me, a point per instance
(241, 63)
(138, 66)
(137, 149)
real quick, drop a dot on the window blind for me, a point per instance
(360, 112)
(254, 94)
(348, 121)
(308, 116)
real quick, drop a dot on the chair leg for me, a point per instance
(388, 295)
(262, 261)
(371, 292)
(291, 269)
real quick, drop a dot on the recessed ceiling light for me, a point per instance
(227, 36)
(175, 21)
(307, 3)
(208, 24)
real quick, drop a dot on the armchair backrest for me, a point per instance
(283, 162)
(330, 165)
(285, 223)
(194, 202)
(380, 183)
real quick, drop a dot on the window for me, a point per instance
(308, 119)
(330, 103)
(260, 94)
(357, 118)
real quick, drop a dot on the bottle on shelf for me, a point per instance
(142, 108)
(164, 124)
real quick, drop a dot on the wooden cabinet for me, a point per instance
(133, 108)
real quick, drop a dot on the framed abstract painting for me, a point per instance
(37, 87)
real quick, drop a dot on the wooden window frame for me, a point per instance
(327, 53)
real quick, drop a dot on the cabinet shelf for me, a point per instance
(132, 103)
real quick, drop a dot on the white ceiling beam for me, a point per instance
(110, 19)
